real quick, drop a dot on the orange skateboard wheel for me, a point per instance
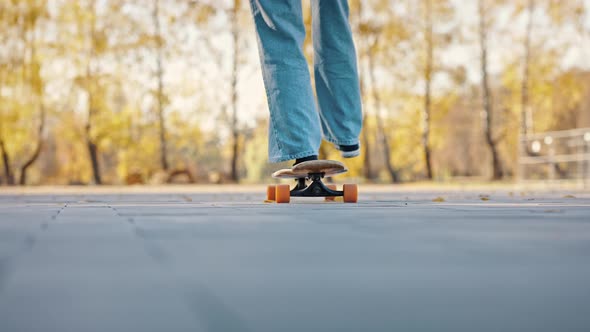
(333, 187)
(283, 193)
(351, 193)
(270, 193)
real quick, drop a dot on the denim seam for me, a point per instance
(272, 121)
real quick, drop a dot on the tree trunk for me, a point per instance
(487, 97)
(496, 162)
(368, 171)
(234, 93)
(6, 161)
(39, 95)
(24, 168)
(160, 93)
(90, 144)
(428, 68)
(383, 134)
(93, 154)
(526, 117)
(235, 176)
(525, 111)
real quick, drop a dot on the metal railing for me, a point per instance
(555, 156)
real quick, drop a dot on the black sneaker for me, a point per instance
(308, 158)
(350, 151)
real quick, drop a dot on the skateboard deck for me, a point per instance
(327, 167)
(312, 171)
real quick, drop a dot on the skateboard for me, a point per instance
(312, 171)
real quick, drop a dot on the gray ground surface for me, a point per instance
(212, 261)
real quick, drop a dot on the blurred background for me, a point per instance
(170, 91)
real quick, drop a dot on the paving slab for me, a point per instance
(219, 259)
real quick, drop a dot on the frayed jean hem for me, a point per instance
(342, 142)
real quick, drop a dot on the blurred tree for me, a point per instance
(110, 91)
(526, 115)
(532, 77)
(433, 13)
(6, 162)
(361, 45)
(91, 41)
(159, 41)
(8, 19)
(382, 132)
(234, 18)
(97, 34)
(390, 32)
(378, 43)
(560, 13)
(20, 70)
(492, 140)
(35, 11)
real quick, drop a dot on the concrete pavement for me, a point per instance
(209, 260)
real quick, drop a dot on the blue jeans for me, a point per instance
(296, 127)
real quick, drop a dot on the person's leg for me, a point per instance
(336, 75)
(294, 129)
